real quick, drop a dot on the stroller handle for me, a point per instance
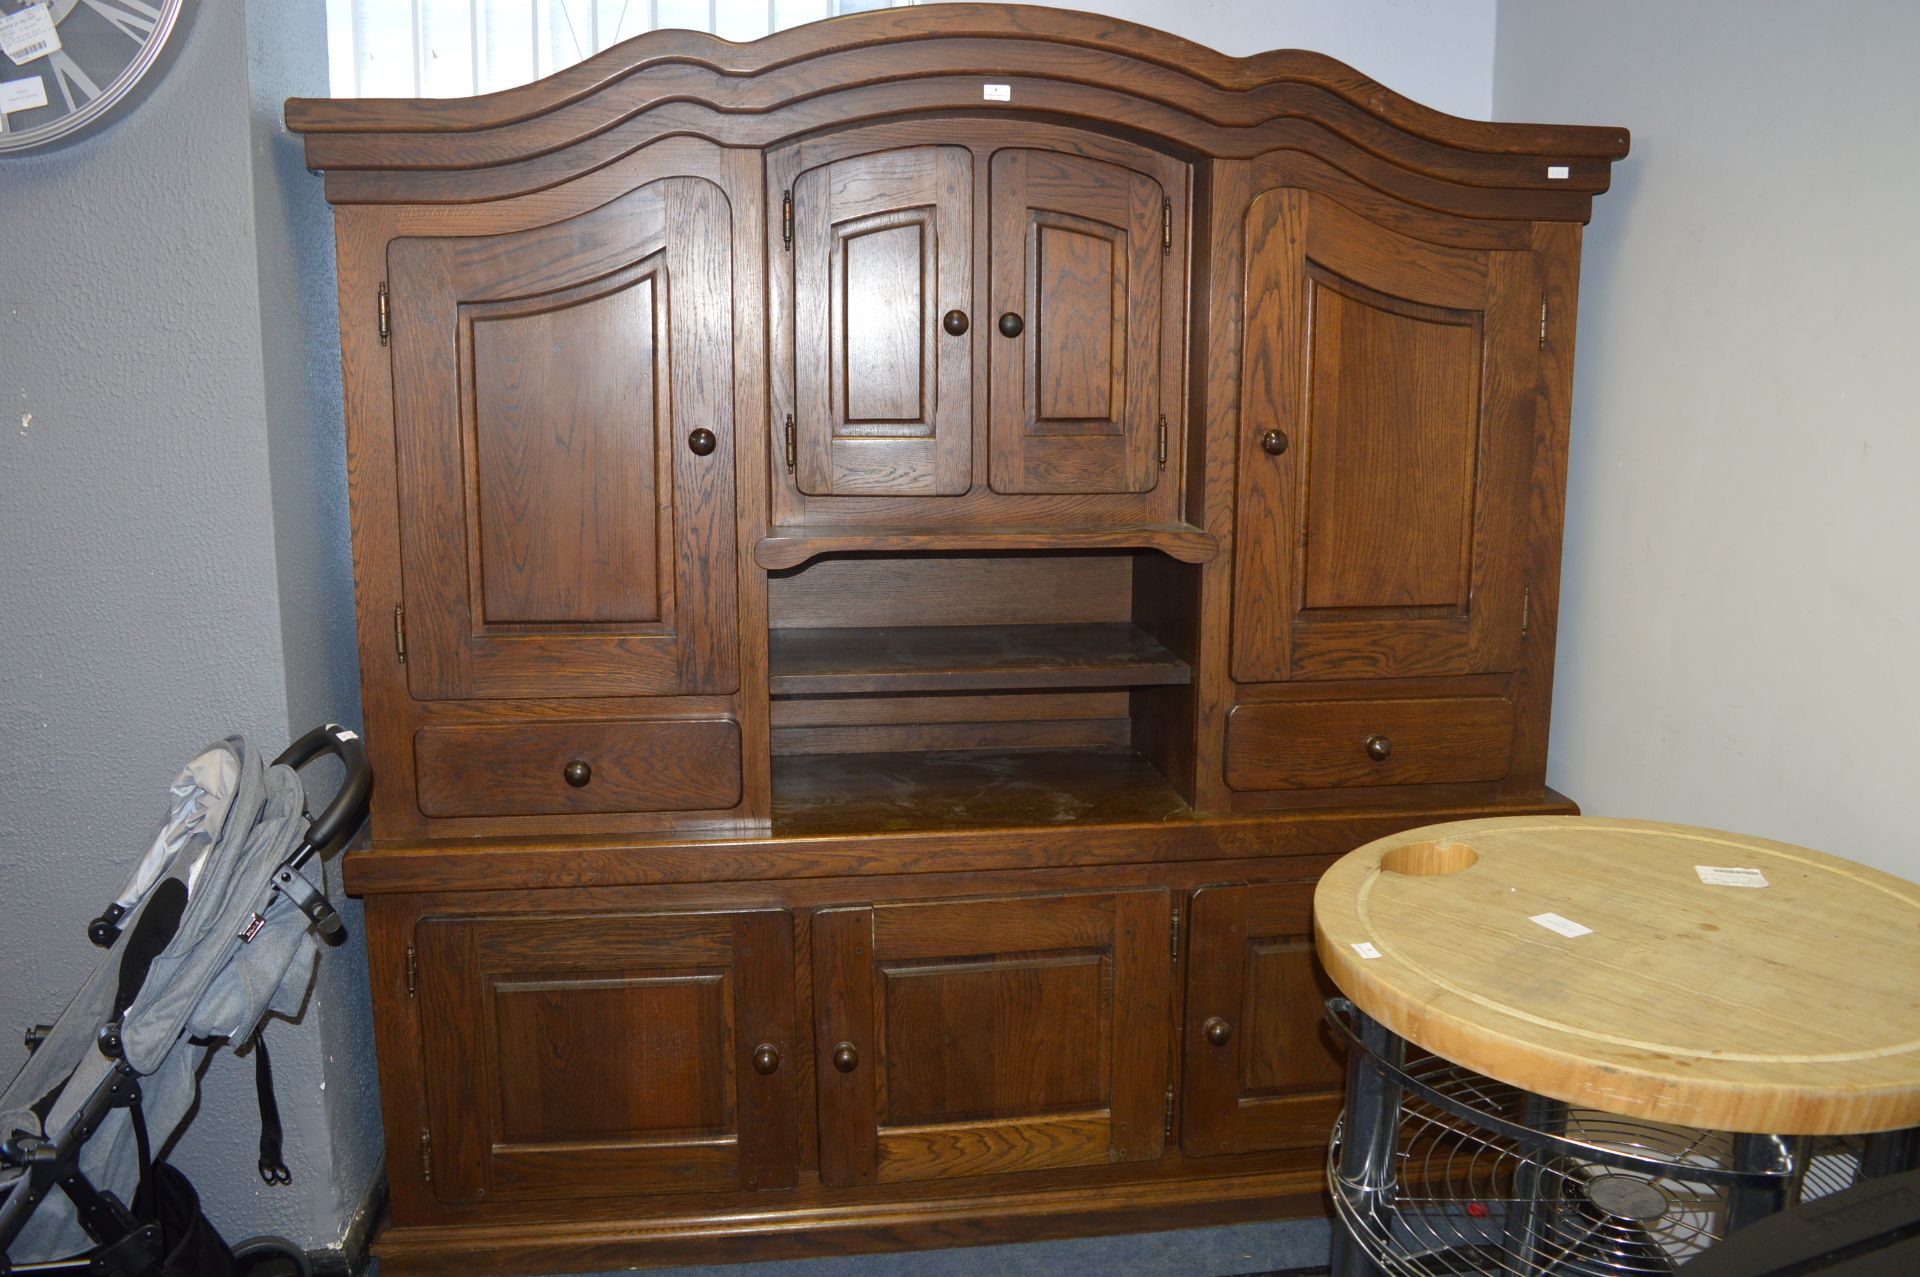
(349, 807)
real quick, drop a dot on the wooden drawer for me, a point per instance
(1331, 744)
(521, 769)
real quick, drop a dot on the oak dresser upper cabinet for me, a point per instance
(888, 559)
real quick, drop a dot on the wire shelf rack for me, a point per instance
(1487, 1179)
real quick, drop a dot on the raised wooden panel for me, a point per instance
(1077, 259)
(558, 536)
(883, 393)
(1388, 394)
(991, 1035)
(1009, 1037)
(1262, 1070)
(1390, 466)
(562, 1039)
(520, 769)
(565, 462)
(1369, 741)
(588, 1055)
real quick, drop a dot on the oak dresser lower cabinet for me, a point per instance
(888, 560)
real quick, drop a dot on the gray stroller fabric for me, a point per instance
(241, 951)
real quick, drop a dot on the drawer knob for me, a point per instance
(845, 1058)
(1273, 442)
(955, 322)
(1218, 1031)
(1011, 325)
(765, 1059)
(1379, 748)
(578, 774)
(702, 442)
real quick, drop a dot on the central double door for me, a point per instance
(970, 315)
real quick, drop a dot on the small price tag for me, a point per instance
(29, 34)
(1558, 172)
(1565, 926)
(22, 95)
(1714, 876)
(1365, 949)
(997, 92)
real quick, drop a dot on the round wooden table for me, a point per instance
(1657, 971)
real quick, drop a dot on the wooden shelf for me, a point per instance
(964, 658)
(834, 795)
(789, 547)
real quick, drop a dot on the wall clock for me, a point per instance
(69, 66)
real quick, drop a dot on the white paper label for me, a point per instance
(1558, 172)
(997, 92)
(1714, 876)
(29, 34)
(1365, 949)
(1565, 926)
(22, 95)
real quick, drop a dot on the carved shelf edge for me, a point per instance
(789, 547)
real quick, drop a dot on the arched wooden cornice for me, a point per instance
(1075, 67)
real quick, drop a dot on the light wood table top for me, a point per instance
(1790, 1008)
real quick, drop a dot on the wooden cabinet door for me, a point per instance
(882, 254)
(1262, 1070)
(1386, 430)
(596, 1056)
(563, 530)
(1077, 325)
(973, 1037)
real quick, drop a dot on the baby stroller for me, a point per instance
(217, 928)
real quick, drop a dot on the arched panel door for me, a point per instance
(1386, 429)
(1080, 325)
(563, 421)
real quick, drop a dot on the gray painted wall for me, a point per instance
(1742, 604)
(172, 508)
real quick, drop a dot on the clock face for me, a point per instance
(66, 66)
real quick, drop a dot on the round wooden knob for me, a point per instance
(702, 442)
(1273, 442)
(955, 322)
(1011, 325)
(1379, 748)
(1217, 1030)
(578, 774)
(765, 1059)
(845, 1058)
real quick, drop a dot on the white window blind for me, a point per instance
(454, 48)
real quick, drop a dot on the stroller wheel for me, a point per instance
(270, 1257)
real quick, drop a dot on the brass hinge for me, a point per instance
(793, 446)
(413, 970)
(1176, 933)
(386, 318)
(1166, 226)
(1543, 323)
(426, 1156)
(1161, 451)
(1168, 1128)
(400, 632)
(786, 220)
(1526, 608)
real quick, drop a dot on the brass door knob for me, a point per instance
(702, 442)
(765, 1059)
(845, 1058)
(1217, 1030)
(1011, 325)
(955, 322)
(1273, 442)
(1379, 748)
(578, 774)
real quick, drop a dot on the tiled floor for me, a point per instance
(1195, 1252)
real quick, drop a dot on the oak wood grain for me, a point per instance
(788, 547)
(968, 658)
